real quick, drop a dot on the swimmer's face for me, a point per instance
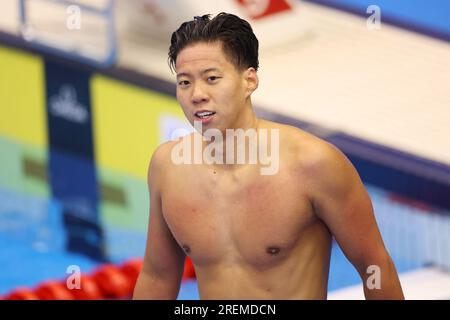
(210, 89)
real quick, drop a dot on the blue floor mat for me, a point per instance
(21, 265)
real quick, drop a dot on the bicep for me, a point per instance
(343, 204)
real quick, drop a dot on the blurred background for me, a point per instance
(86, 95)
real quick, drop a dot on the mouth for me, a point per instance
(204, 116)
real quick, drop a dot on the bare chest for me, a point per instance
(243, 218)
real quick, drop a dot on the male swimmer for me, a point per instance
(250, 234)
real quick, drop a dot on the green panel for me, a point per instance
(124, 201)
(23, 168)
(10, 168)
(34, 168)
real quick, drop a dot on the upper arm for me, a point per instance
(341, 201)
(163, 257)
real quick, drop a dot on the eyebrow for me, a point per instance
(181, 74)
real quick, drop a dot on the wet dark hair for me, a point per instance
(238, 41)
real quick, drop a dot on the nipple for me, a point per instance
(273, 250)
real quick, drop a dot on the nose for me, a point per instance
(199, 94)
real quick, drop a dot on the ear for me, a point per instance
(251, 81)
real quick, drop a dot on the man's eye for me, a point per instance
(183, 83)
(213, 79)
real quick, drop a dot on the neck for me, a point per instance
(242, 134)
(245, 120)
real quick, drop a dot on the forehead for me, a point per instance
(200, 55)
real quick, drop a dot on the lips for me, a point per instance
(204, 116)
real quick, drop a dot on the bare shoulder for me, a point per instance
(313, 156)
(160, 161)
(160, 155)
(318, 156)
(307, 148)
